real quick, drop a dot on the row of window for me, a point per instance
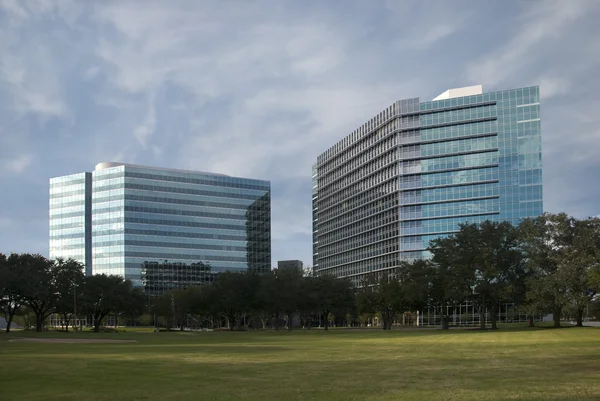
(450, 162)
(449, 147)
(57, 190)
(170, 256)
(446, 225)
(191, 201)
(367, 155)
(452, 116)
(365, 252)
(362, 267)
(449, 209)
(326, 212)
(368, 211)
(419, 242)
(450, 193)
(449, 178)
(359, 174)
(387, 232)
(360, 227)
(232, 215)
(458, 130)
(220, 181)
(183, 190)
(158, 244)
(369, 182)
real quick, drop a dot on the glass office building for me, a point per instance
(70, 218)
(417, 169)
(146, 216)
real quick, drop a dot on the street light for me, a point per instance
(74, 307)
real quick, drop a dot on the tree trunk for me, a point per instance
(445, 323)
(290, 318)
(579, 317)
(482, 323)
(66, 322)
(326, 320)
(556, 316)
(39, 323)
(494, 313)
(10, 317)
(530, 322)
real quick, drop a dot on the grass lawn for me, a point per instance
(510, 364)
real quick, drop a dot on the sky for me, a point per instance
(259, 88)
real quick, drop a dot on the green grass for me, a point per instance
(510, 364)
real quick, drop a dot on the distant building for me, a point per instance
(290, 264)
(416, 170)
(122, 217)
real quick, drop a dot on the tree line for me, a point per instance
(548, 264)
(43, 286)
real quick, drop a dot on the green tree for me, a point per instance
(382, 294)
(68, 276)
(40, 292)
(582, 258)
(415, 279)
(492, 251)
(333, 297)
(103, 295)
(450, 280)
(287, 299)
(164, 306)
(13, 280)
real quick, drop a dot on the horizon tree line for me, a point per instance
(547, 264)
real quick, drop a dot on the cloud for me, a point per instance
(539, 28)
(260, 89)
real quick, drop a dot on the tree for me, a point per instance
(549, 243)
(414, 277)
(333, 296)
(491, 253)
(235, 295)
(582, 259)
(68, 276)
(13, 280)
(450, 281)
(290, 292)
(40, 292)
(383, 294)
(185, 301)
(309, 302)
(103, 295)
(164, 306)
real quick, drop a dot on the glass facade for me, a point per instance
(70, 218)
(418, 169)
(142, 216)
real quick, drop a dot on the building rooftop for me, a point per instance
(460, 92)
(105, 165)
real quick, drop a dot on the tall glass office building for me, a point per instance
(417, 169)
(146, 216)
(70, 218)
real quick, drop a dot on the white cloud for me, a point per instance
(259, 89)
(17, 164)
(538, 28)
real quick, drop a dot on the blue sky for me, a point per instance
(260, 88)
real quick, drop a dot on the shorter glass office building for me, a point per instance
(147, 216)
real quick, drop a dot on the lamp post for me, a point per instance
(74, 307)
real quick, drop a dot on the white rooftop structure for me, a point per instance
(460, 92)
